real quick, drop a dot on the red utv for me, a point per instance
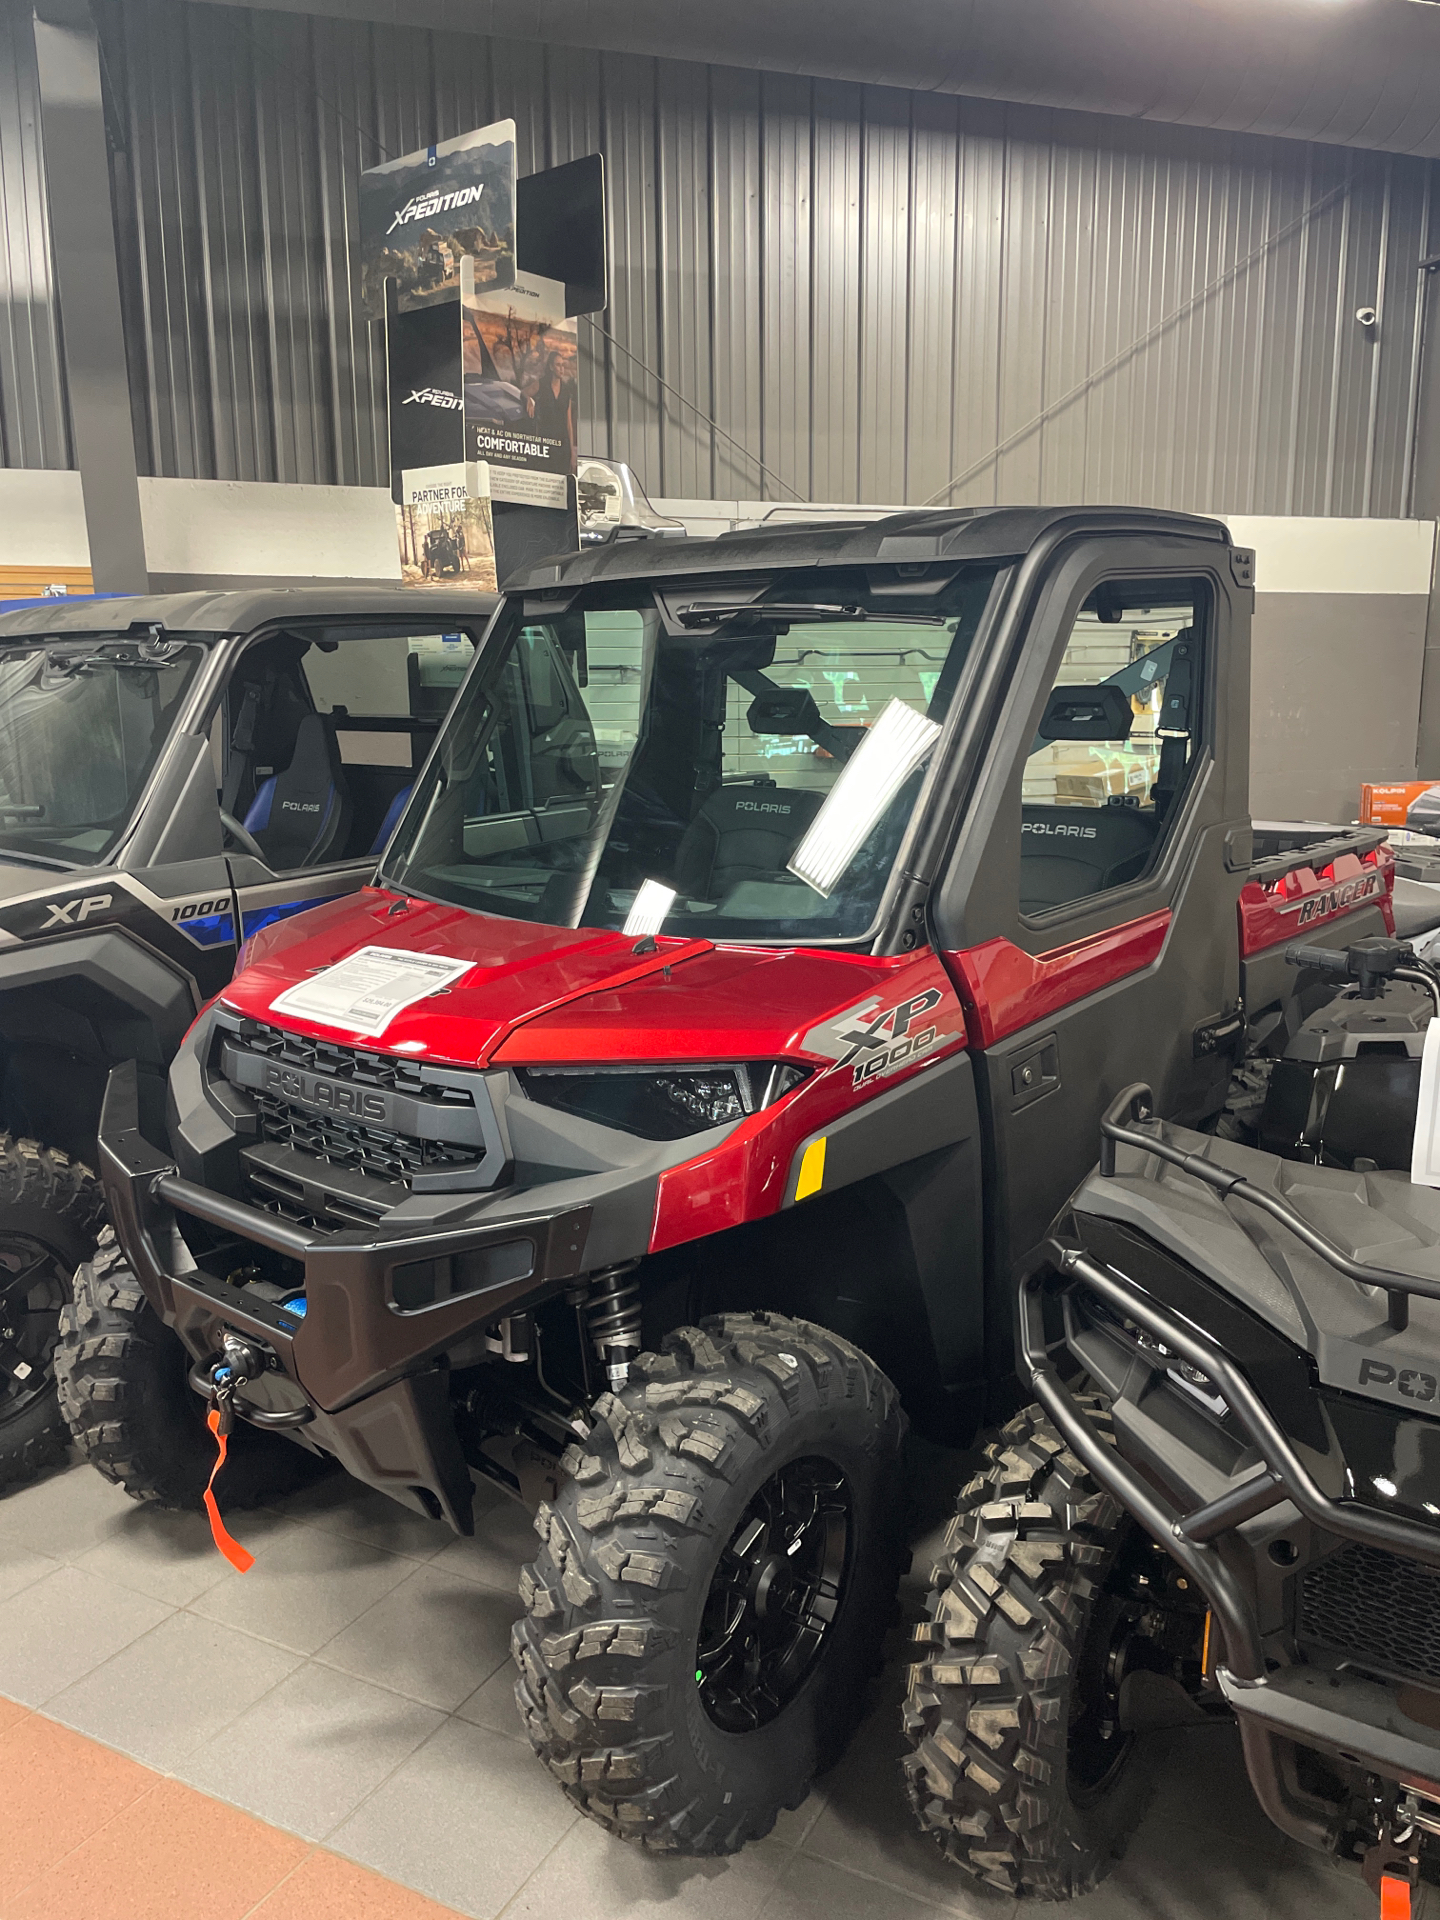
(768, 930)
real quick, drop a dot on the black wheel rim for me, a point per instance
(1132, 1606)
(775, 1595)
(34, 1285)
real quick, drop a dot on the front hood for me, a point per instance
(540, 993)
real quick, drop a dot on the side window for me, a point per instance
(322, 734)
(1120, 728)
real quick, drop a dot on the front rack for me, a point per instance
(1138, 1103)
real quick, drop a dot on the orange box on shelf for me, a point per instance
(1389, 805)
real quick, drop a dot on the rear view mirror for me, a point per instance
(1086, 713)
(785, 710)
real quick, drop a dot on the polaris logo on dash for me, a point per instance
(432, 397)
(1056, 832)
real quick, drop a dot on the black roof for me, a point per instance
(245, 609)
(964, 533)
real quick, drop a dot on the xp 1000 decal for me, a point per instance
(879, 1036)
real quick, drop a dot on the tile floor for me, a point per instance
(354, 1690)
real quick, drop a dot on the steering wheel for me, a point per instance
(244, 840)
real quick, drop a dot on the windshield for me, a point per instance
(82, 723)
(717, 759)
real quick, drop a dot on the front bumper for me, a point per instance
(1351, 1715)
(362, 1375)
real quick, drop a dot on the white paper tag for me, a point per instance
(364, 992)
(1425, 1160)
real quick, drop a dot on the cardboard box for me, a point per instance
(1389, 806)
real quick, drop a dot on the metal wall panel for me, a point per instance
(873, 293)
(34, 416)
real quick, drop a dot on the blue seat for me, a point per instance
(391, 820)
(301, 816)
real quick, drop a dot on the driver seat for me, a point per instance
(741, 833)
(301, 817)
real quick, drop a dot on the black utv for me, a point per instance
(176, 773)
(1226, 1499)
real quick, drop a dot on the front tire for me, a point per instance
(51, 1213)
(1015, 1768)
(715, 1582)
(126, 1399)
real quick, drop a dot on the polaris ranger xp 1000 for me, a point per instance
(735, 1006)
(175, 772)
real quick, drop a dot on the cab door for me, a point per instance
(1088, 910)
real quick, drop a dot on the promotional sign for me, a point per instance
(426, 405)
(521, 361)
(445, 528)
(423, 215)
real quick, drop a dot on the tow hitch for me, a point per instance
(239, 1362)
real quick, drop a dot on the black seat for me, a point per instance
(741, 833)
(1067, 853)
(301, 816)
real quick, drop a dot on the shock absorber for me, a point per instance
(613, 1317)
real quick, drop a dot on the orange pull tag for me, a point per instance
(232, 1549)
(1394, 1898)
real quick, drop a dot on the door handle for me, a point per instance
(1035, 1072)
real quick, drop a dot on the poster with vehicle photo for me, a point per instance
(521, 373)
(425, 213)
(445, 528)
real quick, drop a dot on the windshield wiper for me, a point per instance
(699, 615)
(35, 859)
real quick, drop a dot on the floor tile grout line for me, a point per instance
(94, 1832)
(217, 1733)
(548, 1854)
(433, 1734)
(878, 1880)
(310, 1850)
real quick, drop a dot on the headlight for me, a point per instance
(662, 1103)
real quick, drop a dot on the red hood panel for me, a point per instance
(541, 993)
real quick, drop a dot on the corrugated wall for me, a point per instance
(871, 291)
(34, 416)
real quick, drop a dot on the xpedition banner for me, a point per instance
(521, 372)
(425, 213)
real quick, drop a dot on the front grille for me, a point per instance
(370, 1150)
(379, 1070)
(310, 1095)
(1373, 1607)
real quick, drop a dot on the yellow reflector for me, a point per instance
(812, 1169)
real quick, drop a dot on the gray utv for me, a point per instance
(176, 773)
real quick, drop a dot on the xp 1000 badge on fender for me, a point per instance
(878, 1037)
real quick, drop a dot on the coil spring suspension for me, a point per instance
(612, 1315)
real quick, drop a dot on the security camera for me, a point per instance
(1367, 316)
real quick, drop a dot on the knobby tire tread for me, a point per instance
(636, 1528)
(45, 1192)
